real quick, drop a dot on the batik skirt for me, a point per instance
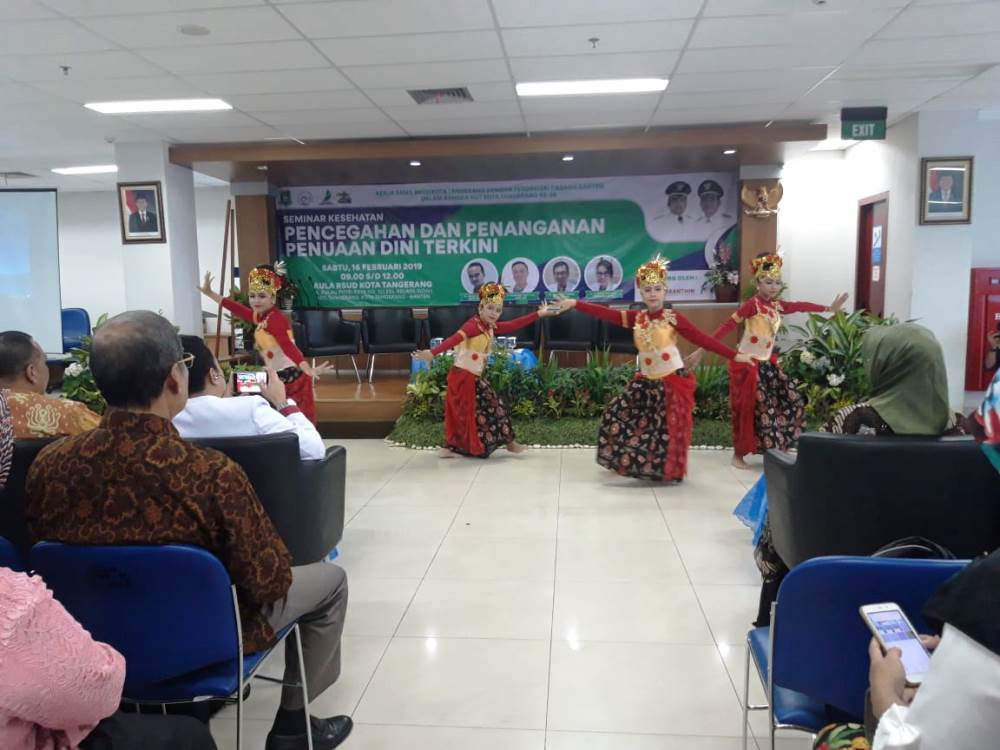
(767, 409)
(645, 430)
(475, 420)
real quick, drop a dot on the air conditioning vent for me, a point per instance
(16, 176)
(441, 96)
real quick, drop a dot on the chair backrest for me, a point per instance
(327, 328)
(528, 334)
(13, 523)
(167, 609)
(75, 325)
(10, 557)
(574, 327)
(387, 326)
(820, 640)
(304, 499)
(442, 322)
(850, 495)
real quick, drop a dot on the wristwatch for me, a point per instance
(286, 403)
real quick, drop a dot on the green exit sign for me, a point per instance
(863, 131)
(863, 123)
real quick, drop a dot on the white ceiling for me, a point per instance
(340, 68)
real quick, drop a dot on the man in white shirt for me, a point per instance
(210, 412)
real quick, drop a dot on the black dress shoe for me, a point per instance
(326, 735)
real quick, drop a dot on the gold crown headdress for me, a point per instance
(652, 272)
(266, 280)
(491, 293)
(766, 266)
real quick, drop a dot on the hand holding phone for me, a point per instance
(892, 630)
(249, 383)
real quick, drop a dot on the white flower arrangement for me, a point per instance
(834, 379)
(822, 364)
(74, 369)
(807, 357)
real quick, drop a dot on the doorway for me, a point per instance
(873, 236)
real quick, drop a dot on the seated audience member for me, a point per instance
(24, 376)
(60, 689)
(909, 396)
(909, 385)
(209, 413)
(134, 480)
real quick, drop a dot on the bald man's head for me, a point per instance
(132, 356)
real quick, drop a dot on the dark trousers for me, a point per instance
(122, 731)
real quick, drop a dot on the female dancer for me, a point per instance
(475, 420)
(645, 431)
(273, 336)
(767, 409)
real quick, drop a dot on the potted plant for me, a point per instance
(722, 276)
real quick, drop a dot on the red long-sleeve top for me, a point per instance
(476, 326)
(626, 319)
(757, 305)
(273, 323)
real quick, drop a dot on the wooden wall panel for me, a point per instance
(256, 231)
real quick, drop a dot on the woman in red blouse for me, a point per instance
(475, 420)
(273, 336)
(645, 431)
(767, 409)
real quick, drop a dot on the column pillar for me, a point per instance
(756, 235)
(163, 277)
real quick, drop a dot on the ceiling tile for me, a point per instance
(596, 121)
(83, 66)
(467, 111)
(835, 88)
(426, 75)
(381, 17)
(226, 58)
(270, 82)
(219, 135)
(735, 99)
(585, 104)
(24, 10)
(300, 100)
(824, 29)
(715, 115)
(576, 67)
(973, 48)
(757, 58)
(617, 37)
(83, 8)
(945, 20)
(228, 26)
(481, 92)
(16, 93)
(535, 13)
(412, 48)
(781, 7)
(785, 78)
(29, 37)
(322, 116)
(348, 130)
(30, 114)
(469, 126)
(163, 121)
(109, 89)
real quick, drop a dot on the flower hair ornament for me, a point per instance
(766, 267)
(491, 293)
(652, 272)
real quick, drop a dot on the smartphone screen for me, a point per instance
(250, 382)
(895, 632)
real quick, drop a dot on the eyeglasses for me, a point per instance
(187, 359)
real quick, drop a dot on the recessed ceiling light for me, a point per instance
(582, 88)
(568, 157)
(262, 167)
(415, 163)
(158, 105)
(93, 169)
(729, 151)
(193, 29)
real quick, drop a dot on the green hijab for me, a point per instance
(905, 366)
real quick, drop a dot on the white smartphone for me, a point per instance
(250, 382)
(892, 629)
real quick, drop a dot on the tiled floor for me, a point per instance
(537, 601)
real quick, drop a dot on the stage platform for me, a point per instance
(347, 409)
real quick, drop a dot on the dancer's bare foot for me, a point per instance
(445, 453)
(739, 463)
(515, 447)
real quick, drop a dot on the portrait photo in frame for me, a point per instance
(140, 212)
(946, 190)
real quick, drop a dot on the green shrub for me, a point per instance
(711, 396)
(78, 380)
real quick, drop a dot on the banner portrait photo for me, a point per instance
(432, 244)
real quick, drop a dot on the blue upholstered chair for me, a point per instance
(9, 556)
(75, 325)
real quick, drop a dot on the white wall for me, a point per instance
(92, 257)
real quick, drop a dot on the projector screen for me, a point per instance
(29, 266)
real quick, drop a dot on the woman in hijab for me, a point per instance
(909, 396)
